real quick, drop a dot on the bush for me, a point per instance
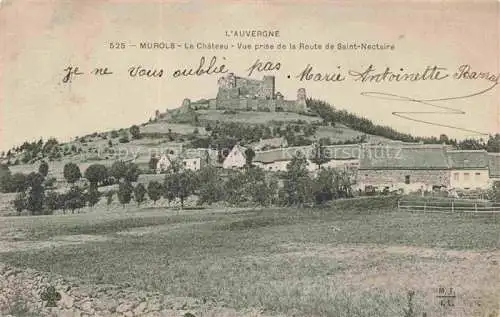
(74, 199)
(123, 139)
(20, 202)
(54, 201)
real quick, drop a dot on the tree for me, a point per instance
(96, 173)
(153, 161)
(71, 173)
(109, 197)
(132, 173)
(297, 183)
(93, 195)
(20, 202)
(118, 170)
(249, 156)
(52, 201)
(125, 190)
(179, 183)
(36, 193)
(43, 169)
(319, 155)
(259, 189)
(135, 132)
(325, 188)
(18, 182)
(154, 191)
(210, 187)
(139, 193)
(5, 178)
(74, 199)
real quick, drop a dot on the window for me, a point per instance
(407, 179)
(478, 174)
(456, 176)
(466, 177)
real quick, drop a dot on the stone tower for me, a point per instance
(268, 87)
(301, 100)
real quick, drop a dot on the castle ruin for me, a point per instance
(239, 93)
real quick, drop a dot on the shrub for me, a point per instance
(123, 139)
(20, 202)
(74, 199)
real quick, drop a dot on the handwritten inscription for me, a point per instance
(202, 69)
(263, 66)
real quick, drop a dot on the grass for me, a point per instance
(257, 258)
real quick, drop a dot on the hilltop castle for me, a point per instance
(246, 94)
(240, 93)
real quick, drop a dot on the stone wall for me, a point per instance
(385, 177)
(21, 295)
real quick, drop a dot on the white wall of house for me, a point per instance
(235, 159)
(193, 164)
(342, 163)
(274, 166)
(163, 164)
(469, 179)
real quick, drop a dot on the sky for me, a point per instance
(39, 39)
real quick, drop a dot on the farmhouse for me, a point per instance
(406, 167)
(278, 159)
(338, 156)
(494, 166)
(236, 158)
(411, 167)
(192, 159)
(468, 169)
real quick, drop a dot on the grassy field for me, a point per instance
(254, 117)
(328, 262)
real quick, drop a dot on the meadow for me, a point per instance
(336, 261)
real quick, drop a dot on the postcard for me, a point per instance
(249, 158)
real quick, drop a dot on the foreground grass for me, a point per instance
(238, 258)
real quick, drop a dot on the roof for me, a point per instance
(343, 152)
(282, 154)
(467, 159)
(494, 164)
(403, 157)
(272, 142)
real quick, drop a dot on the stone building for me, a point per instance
(239, 93)
(403, 167)
(411, 167)
(468, 169)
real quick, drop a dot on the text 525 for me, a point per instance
(117, 45)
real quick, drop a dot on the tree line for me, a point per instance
(331, 115)
(249, 186)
